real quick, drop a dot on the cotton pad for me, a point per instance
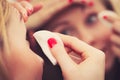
(106, 13)
(42, 38)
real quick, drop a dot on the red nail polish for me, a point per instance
(25, 17)
(52, 42)
(29, 11)
(70, 1)
(105, 17)
(91, 3)
(37, 7)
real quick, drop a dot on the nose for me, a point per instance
(87, 37)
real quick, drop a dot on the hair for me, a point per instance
(107, 4)
(112, 5)
(4, 10)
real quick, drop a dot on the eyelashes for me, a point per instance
(91, 19)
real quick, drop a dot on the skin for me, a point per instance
(84, 24)
(90, 57)
(26, 65)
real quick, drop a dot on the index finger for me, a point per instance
(79, 46)
(112, 17)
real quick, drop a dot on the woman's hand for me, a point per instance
(93, 60)
(22, 62)
(25, 8)
(115, 37)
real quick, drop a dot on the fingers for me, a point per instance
(24, 8)
(111, 19)
(21, 10)
(116, 50)
(37, 7)
(89, 55)
(116, 27)
(115, 47)
(79, 46)
(115, 39)
(27, 7)
(61, 55)
(115, 36)
(93, 58)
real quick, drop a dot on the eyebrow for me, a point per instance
(60, 24)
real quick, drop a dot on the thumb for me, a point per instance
(59, 52)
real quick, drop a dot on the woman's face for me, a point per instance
(84, 24)
(22, 63)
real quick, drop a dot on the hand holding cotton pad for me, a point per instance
(106, 13)
(42, 37)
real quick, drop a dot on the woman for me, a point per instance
(79, 18)
(19, 62)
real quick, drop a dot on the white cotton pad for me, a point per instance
(106, 13)
(42, 38)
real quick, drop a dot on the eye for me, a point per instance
(91, 19)
(67, 31)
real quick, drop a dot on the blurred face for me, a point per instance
(22, 63)
(84, 24)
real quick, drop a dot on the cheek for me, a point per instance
(102, 32)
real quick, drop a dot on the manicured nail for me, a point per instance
(91, 3)
(52, 42)
(37, 7)
(105, 17)
(29, 11)
(25, 17)
(70, 1)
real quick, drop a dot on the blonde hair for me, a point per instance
(4, 9)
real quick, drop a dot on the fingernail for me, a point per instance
(52, 42)
(91, 3)
(105, 17)
(37, 7)
(70, 1)
(25, 17)
(29, 11)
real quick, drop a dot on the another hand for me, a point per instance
(25, 8)
(115, 37)
(93, 60)
(22, 62)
